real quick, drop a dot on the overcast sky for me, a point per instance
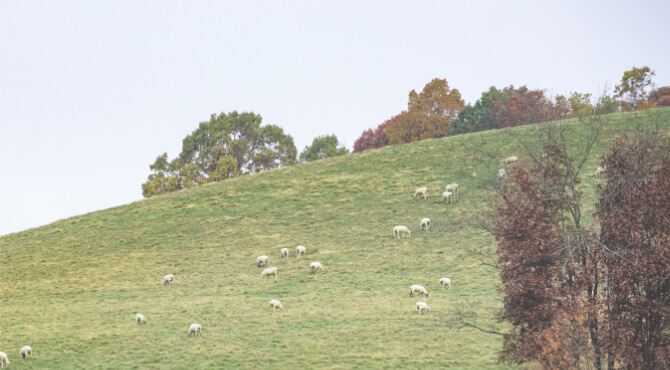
(93, 91)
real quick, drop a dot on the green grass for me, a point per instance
(71, 289)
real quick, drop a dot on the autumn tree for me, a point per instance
(372, 139)
(322, 147)
(228, 145)
(634, 213)
(634, 84)
(429, 114)
(660, 97)
(580, 104)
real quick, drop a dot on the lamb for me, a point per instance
(417, 289)
(509, 160)
(419, 192)
(447, 196)
(168, 279)
(26, 352)
(270, 271)
(140, 319)
(399, 231)
(3, 359)
(300, 250)
(262, 261)
(445, 282)
(424, 224)
(284, 253)
(453, 187)
(315, 267)
(275, 304)
(502, 174)
(195, 329)
(422, 306)
(600, 172)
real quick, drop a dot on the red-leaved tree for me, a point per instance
(372, 139)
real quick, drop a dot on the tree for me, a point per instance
(633, 85)
(634, 213)
(660, 97)
(322, 147)
(228, 145)
(580, 104)
(372, 139)
(429, 114)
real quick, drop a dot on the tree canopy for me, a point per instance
(633, 85)
(322, 147)
(226, 146)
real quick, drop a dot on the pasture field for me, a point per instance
(71, 289)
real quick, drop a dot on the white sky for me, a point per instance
(91, 92)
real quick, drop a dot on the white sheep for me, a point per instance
(275, 304)
(445, 282)
(140, 319)
(600, 172)
(300, 250)
(399, 231)
(194, 329)
(502, 174)
(421, 307)
(509, 160)
(284, 253)
(262, 261)
(168, 279)
(424, 224)
(270, 271)
(447, 196)
(26, 352)
(453, 188)
(417, 289)
(315, 266)
(3, 359)
(419, 192)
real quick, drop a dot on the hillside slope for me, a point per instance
(71, 289)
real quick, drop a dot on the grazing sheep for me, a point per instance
(502, 174)
(270, 271)
(419, 192)
(195, 329)
(453, 188)
(3, 359)
(300, 250)
(417, 289)
(284, 253)
(262, 261)
(445, 282)
(140, 319)
(509, 160)
(168, 279)
(447, 196)
(275, 304)
(315, 266)
(424, 224)
(600, 172)
(399, 231)
(26, 352)
(422, 306)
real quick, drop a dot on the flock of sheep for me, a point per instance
(450, 193)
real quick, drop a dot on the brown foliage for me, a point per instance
(660, 97)
(634, 212)
(372, 139)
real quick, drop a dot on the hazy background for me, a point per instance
(93, 91)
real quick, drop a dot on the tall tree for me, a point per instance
(322, 147)
(226, 146)
(634, 84)
(634, 213)
(429, 114)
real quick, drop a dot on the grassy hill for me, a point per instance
(71, 289)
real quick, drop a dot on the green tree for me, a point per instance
(633, 85)
(228, 145)
(580, 104)
(322, 147)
